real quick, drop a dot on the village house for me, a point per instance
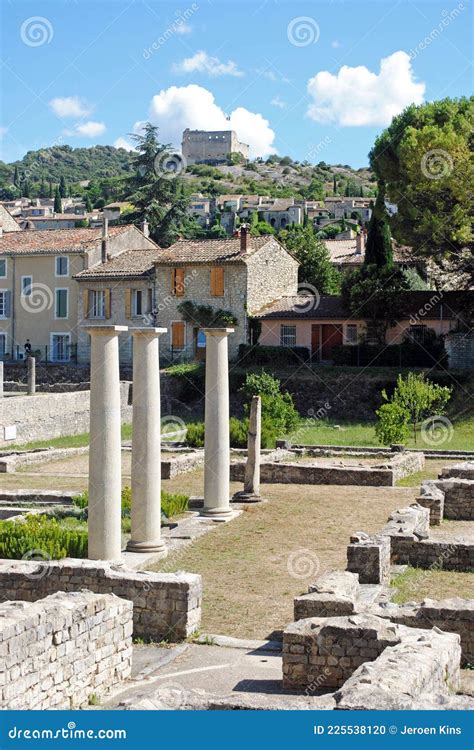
(321, 323)
(237, 276)
(38, 293)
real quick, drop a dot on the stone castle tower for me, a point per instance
(211, 146)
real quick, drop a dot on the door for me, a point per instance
(316, 342)
(199, 344)
(331, 336)
(60, 347)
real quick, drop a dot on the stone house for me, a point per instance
(38, 292)
(239, 275)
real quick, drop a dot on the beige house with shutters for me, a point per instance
(39, 297)
(238, 275)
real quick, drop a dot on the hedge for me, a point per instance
(394, 355)
(272, 355)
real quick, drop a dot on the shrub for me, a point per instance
(171, 504)
(272, 355)
(279, 415)
(392, 426)
(195, 434)
(41, 535)
(407, 354)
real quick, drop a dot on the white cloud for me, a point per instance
(183, 28)
(277, 101)
(90, 129)
(123, 143)
(356, 96)
(201, 62)
(70, 106)
(180, 107)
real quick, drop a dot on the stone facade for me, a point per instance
(211, 146)
(45, 416)
(460, 350)
(165, 605)
(60, 651)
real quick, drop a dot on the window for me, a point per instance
(60, 347)
(177, 281)
(97, 303)
(3, 268)
(416, 334)
(178, 329)
(351, 334)
(137, 302)
(62, 266)
(3, 344)
(61, 303)
(5, 297)
(288, 336)
(217, 282)
(26, 286)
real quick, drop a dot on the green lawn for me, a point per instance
(332, 432)
(416, 584)
(68, 441)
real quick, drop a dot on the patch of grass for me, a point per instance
(68, 441)
(324, 432)
(415, 584)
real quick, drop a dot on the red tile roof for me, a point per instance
(55, 240)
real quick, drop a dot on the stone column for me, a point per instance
(216, 443)
(105, 476)
(31, 364)
(146, 448)
(252, 468)
(1, 379)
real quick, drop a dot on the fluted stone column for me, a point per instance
(216, 443)
(31, 364)
(146, 448)
(105, 475)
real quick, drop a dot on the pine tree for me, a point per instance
(378, 250)
(334, 185)
(316, 268)
(62, 187)
(57, 202)
(16, 179)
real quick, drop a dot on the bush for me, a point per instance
(170, 504)
(272, 355)
(408, 354)
(41, 535)
(392, 426)
(195, 434)
(279, 415)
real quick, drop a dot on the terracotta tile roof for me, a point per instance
(344, 251)
(55, 240)
(130, 264)
(210, 251)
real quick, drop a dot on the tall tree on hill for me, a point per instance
(57, 202)
(25, 188)
(379, 251)
(62, 187)
(88, 202)
(334, 185)
(156, 189)
(50, 190)
(43, 193)
(16, 178)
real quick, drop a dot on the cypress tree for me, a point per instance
(57, 202)
(50, 190)
(62, 188)
(16, 179)
(334, 185)
(378, 250)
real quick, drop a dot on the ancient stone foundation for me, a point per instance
(59, 651)
(165, 605)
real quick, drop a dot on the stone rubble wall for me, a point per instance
(424, 664)
(369, 557)
(432, 497)
(52, 415)
(462, 470)
(59, 651)
(457, 555)
(458, 498)
(10, 463)
(177, 465)
(165, 605)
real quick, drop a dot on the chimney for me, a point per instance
(145, 228)
(244, 237)
(360, 243)
(105, 238)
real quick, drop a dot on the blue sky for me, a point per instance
(299, 78)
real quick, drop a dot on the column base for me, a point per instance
(217, 514)
(145, 547)
(247, 497)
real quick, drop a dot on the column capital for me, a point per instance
(218, 331)
(102, 330)
(148, 331)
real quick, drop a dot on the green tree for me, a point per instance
(88, 202)
(379, 251)
(62, 187)
(43, 193)
(334, 185)
(50, 190)
(316, 267)
(156, 190)
(57, 202)
(392, 426)
(16, 178)
(418, 398)
(424, 158)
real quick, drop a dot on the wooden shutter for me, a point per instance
(177, 335)
(86, 303)
(8, 304)
(217, 282)
(177, 283)
(128, 303)
(108, 302)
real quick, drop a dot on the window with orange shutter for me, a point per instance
(217, 282)
(177, 335)
(177, 281)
